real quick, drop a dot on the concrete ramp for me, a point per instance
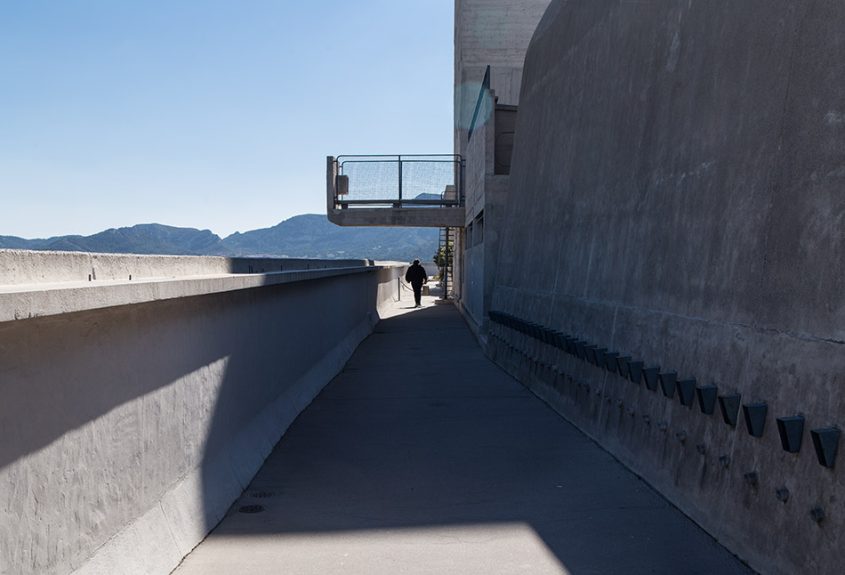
(424, 457)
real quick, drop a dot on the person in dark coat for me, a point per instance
(416, 276)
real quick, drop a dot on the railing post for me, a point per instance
(460, 195)
(331, 184)
(400, 181)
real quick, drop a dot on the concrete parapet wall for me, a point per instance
(676, 196)
(130, 428)
(39, 267)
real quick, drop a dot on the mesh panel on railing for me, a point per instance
(377, 178)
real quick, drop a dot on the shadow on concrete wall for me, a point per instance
(60, 373)
(128, 401)
(280, 348)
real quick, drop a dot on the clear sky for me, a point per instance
(212, 114)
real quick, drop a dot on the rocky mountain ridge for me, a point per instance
(303, 236)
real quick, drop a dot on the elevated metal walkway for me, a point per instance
(401, 190)
(424, 457)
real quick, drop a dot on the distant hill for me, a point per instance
(305, 236)
(313, 236)
(140, 239)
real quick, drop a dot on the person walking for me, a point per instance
(416, 276)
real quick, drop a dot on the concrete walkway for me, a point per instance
(423, 457)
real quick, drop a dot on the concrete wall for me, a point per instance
(494, 33)
(486, 194)
(128, 429)
(676, 196)
(469, 273)
(30, 267)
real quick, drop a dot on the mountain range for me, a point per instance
(304, 236)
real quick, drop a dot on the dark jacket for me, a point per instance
(416, 275)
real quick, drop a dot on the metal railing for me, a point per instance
(398, 181)
(485, 87)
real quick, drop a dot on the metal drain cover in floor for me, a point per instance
(251, 509)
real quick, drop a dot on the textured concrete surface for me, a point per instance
(398, 217)
(486, 194)
(676, 195)
(27, 301)
(424, 457)
(18, 267)
(128, 430)
(491, 33)
(494, 33)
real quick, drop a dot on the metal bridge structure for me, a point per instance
(395, 190)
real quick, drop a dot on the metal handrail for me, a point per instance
(399, 201)
(485, 86)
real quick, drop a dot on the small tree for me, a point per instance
(443, 257)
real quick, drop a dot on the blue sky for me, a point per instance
(211, 114)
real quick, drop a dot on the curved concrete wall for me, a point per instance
(676, 196)
(128, 430)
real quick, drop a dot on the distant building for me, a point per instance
(491, 39)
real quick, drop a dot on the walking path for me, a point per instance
(423, 457)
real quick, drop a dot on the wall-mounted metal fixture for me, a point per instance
(581, 349)
(729, 406)
(622, 365)
(686, 392)
(791, 431)
(561, 340)
(610, 361)
(707, 398)
(826, 444)
(635, 371)
(755, 417)
(543, 334)
(668, 382)
(650, 376)
(598, 356)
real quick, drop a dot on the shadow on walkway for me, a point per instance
(424, 457)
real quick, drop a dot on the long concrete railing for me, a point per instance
(134, 412)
